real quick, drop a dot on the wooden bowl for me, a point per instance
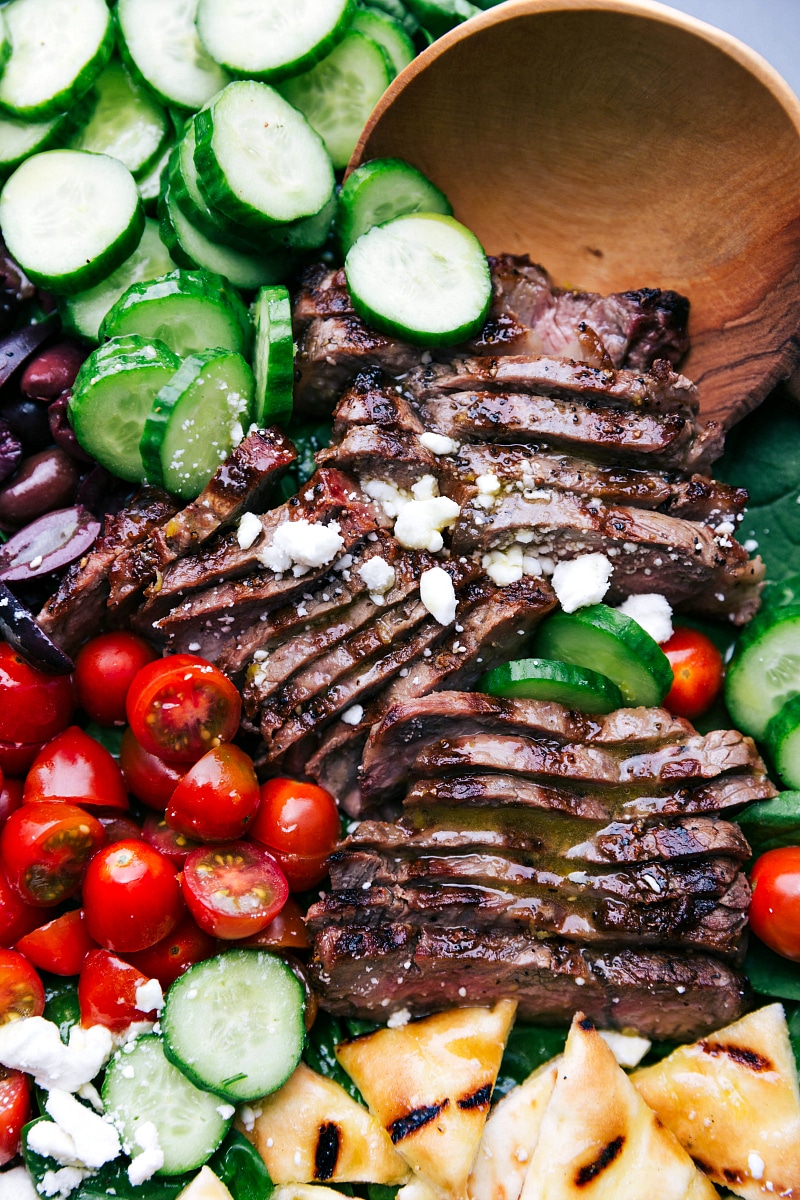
(621, 144)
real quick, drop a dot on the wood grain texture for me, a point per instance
(622, 144)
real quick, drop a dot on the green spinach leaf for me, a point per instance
(771, 823)
(241, 1168)
(527, 1048)
(771, 975)
(320, 1052)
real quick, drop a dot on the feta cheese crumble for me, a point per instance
(149, 997)
(508, 566)
(248, 530)
(94, 1140)
(17, 1185)
(379, 577)
(582, 581)
(352, 716)
(302, 545)
(653, 612)
(398, 1019)
(420, 522)
(34, 1045)
(627, 1048)
(438, 444)
(151, 1159)
(488, 486)
(437, 593)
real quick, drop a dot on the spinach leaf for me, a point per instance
(771, 975)
(320, 1052)
(62, 1007)
(241, 1168)
(527, 1048)
(380, 1191)
(109, 739)
(794, 1034)
(771, 823)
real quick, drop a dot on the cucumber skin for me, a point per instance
(785, 725)
(168, 101)
(349, 197)
(269, 410)
(751, 635)
(69, 124)
(212, 225)
(510, 679)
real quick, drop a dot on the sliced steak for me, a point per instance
(372, 399)
(370, 452)
(371, 973)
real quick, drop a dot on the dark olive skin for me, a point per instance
(28, 421)
(45, 481)
(62, 432)
(53, 371)
(10, 450)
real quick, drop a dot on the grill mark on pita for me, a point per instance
(418, 1118)
(478, 1099)
(703, 1166)
(732, 1175)
(739, 1054)
(604, 1159)
(586, 1024)
(326, 1154)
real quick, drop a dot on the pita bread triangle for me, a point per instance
(732, 1100)
(598, 1140)
(430, 1084)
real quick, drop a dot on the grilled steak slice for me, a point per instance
(77, 611)
(370, 973)
(371, 452)
(242, 482)
(372, 399)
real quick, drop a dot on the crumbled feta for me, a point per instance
(399, 1018)
(301, 545)
(390, 497)
(352, 716)
(751, 545)
(95, 1141)
(226, 1111)
(378, 575)
(419, 525)
(627, 1048)
(149, 997)
(425, 488)
(508, 566)
(653, 612)
(18, 1185)
(34, 1045)
(581, 581)
(248, 530)
(61, 1183)
(151, 1159)
(755, 1165)
(488, 486)
(438, 444)
(438, 595)
(51, 1141)
(126, 1037)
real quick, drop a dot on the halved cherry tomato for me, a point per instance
(169, 958)
(286, 931)
(21, 990)
(10, 798)
(131, 897)
(16, 757)
(119, 828)
(775, 906)
(34, 707)
(76, 768)
(175, 846)
(107, 992)
(148, 777)
(181, 707)
(698, 669)
(46, 848)
(104, 671)
(60, 946)
(15, 1111)
(233, 891)
(16, 917)
(217, 798)
(299, 822)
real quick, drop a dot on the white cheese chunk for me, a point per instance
(437, 593)
(149, 997)
(378, 575)
(653, 612)
(248, 530)
(352, 716)
(96, 1142)
(582, 581)
(425, 488)
(419, 525)
(391, 498)
(398, 1019)
(627, 1048)
(34, 1045)
(61, 1183)
(301, 545)
(438, 444)
(151, 1158)
(18, 1185)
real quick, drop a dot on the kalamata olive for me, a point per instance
(102, 493)
(20, 630)
(15, 287)
(44, 481)
(17, 347)
(28, 420)
(10, 450)
(62, 432)
(52, 371)
(52, 542)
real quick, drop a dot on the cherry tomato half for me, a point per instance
(16, 757)
(119, 828)
(107, 992)
(60, 946)
(697, 667)
(131, 897)
(10, 798)
(104, 671)
(286, 931)
(16, 917)
(76, 768)
(15, 1110)
(21, 990)
(175, 846)
(217, 798)
(299, 822)
(775, 906)
(34, 707)
(148, 777)
(181, 707)
(169, 958)
(235, 890)
(46, 848)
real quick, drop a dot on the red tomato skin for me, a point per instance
(235, 867)
(148, 777)
(15, 1111)
(296, 818)
(10, 798)
(21, 989)
(775, 904)
(60, 946)
(46, 847)
(173, 845)
(131, 897)
(104, 671)
(119, 828)
(286, 931)
(303, 871)
(698, 670)
(180, 707)
(107, 992)
(169, 958)
(34, 707)
(16, 917)
(16, 757)
(77, 769)
(217, 798)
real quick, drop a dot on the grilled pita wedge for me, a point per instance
(430, 1084)
(205, 1186)
(732, 1100)
(598, 1140)
(510, 1137)
(310, 1131)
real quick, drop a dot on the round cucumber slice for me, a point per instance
(20, 139)
(187, 196)
(5, 42)
(269, 40)
(274, 357)
(112, 397)
(782, 735)
(206, 1037)
(126, 122)
(421, 277)
(186, 310)
(765, 670)
(387, 33)
(542, 679)
(141, 1086)
(70, 218)
(159, 41)
(602, 639)
(381, 190)
(196, 420)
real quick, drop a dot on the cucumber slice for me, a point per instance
(126, 123)
(70, 218)
(274, 357)
(83, 313)
(542, 679)
(143, 1086)
(388, 34)
(196, 420)
(191, 249)
(422, 277)
(5, 42)
(269, 40)
(339, 93)
(381, 190)
(206, 1037)
(438, 16)
(20, 139)
(258, 160)
(782, 735)
(112, 397)
(186, 310)
(306, 235)
(765, 670)
(150, 185)
(602, 639)
(186, 194)
(159, 41)
(398, 11)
